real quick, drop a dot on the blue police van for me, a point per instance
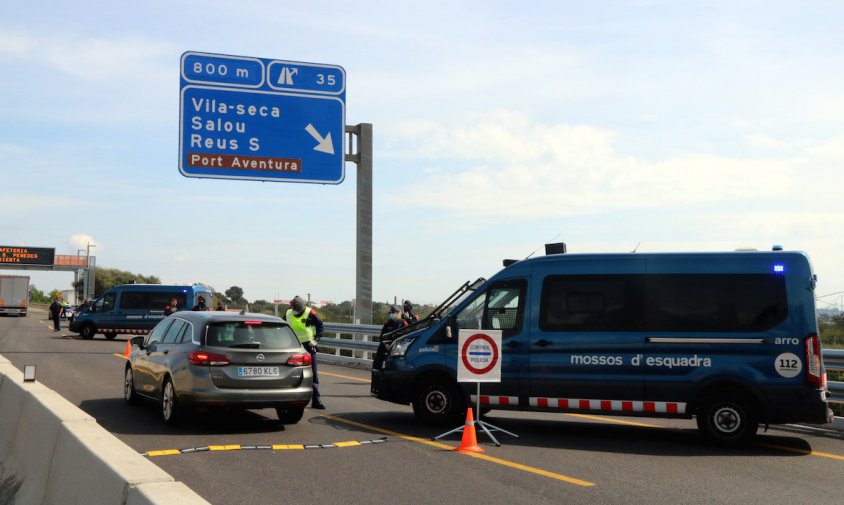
(134, 308)
(729, 338)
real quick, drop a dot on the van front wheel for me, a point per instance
(87, 332)
(438, 402)
(727, 418)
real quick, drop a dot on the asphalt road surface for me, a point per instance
(362, 450)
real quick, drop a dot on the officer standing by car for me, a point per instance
(308, 329)
(56, 314)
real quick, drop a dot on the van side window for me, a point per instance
(501, 308)
(133, 300)
(663, 302)
(108, 302)
(725, 302)
(591, 303)
(150, 300)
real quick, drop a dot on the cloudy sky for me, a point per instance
(674, 126)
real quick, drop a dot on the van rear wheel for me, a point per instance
(110, 335)
(439, 402)
(727, 418)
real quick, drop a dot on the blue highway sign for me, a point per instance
(261, 119)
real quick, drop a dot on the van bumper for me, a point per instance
(391, 386)
(799, 406)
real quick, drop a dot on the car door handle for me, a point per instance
(165, 352)
(543, 343)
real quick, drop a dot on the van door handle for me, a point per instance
(513, 343)
(544, 343)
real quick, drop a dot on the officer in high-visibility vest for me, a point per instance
(308, 328)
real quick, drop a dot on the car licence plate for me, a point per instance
(257, 371)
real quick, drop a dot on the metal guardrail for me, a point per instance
(355, 346)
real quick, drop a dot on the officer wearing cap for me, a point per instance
(394, 321)
(307, 326)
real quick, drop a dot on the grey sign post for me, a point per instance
(363, 261)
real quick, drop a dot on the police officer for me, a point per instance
(172, 307)
(56, 313)
(200, 304)
(308, 329)
(394, 321)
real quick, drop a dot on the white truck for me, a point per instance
(14, 294)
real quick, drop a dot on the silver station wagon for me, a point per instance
(212, 360)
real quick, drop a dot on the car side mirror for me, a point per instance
(138, 341)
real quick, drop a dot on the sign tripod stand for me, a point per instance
(485, 426)
(479, 361)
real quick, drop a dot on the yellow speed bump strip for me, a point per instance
(491, 459)
(273, 447)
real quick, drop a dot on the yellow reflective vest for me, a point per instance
(297, 324)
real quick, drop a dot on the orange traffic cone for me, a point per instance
(128, 350)
(469, 443)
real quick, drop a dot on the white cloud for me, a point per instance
(82, 241)
(92, 59)
(504, 165)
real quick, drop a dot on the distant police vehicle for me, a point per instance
(729, 338)
(133, 308)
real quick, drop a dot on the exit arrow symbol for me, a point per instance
(325, 144)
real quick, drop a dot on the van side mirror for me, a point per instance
(449, 333)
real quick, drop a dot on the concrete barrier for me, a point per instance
(51, 452)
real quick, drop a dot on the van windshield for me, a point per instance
(442, 309)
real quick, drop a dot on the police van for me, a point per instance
(728, 338)
(134, 308)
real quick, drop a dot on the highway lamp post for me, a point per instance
(77, 271)
(88, 279)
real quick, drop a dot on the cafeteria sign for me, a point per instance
(27, 255)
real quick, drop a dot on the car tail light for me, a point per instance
(301, 359)
(207, 359)
(815, 375)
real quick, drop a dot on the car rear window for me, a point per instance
(251, 335)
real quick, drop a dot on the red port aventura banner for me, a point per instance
(17, 255)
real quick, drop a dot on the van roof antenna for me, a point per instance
(540, 247)
(637, 247)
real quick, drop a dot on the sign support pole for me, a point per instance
(363, 262)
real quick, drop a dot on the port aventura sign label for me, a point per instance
(16, 255)
(261, 119)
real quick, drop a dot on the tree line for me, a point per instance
(231, 298)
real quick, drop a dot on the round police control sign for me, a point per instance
(480, 356)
